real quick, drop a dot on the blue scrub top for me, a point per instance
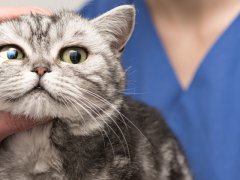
(206, 116)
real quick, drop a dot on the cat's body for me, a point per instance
(52, 152)
(96, 132)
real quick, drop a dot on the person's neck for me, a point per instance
(188, 28)
(189, 10)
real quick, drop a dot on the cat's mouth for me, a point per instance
(37, 91)
(39, 88)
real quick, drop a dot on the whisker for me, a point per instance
(121, 115)
(95, 106)
(73, 104)
(124, 138)
(103, 129)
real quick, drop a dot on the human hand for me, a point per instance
(10, 124)
(14, 12)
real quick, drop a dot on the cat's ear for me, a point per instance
(116, 25)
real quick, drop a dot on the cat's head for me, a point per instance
(63, 65)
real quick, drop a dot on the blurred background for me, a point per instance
(50, 4)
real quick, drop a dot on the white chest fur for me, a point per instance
(30, 154)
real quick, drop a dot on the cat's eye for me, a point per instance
(74, 55)
(11, 53)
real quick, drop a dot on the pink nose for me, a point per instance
(41, 70)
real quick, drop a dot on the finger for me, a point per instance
(10, 124)
(13, 12)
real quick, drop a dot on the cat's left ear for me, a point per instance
(116, 25)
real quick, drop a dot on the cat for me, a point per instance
(68, 68)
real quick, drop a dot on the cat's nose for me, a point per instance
(41, 70)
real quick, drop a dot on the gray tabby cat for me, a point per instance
(68, 68)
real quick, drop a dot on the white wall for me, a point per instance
(51, 4)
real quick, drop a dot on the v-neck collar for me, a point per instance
(204, 59)
(158, 78)
(210, 56)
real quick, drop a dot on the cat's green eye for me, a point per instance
(11, 53)
(74, 55)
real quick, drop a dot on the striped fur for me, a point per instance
(96, 132)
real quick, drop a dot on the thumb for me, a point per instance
(10, 124)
